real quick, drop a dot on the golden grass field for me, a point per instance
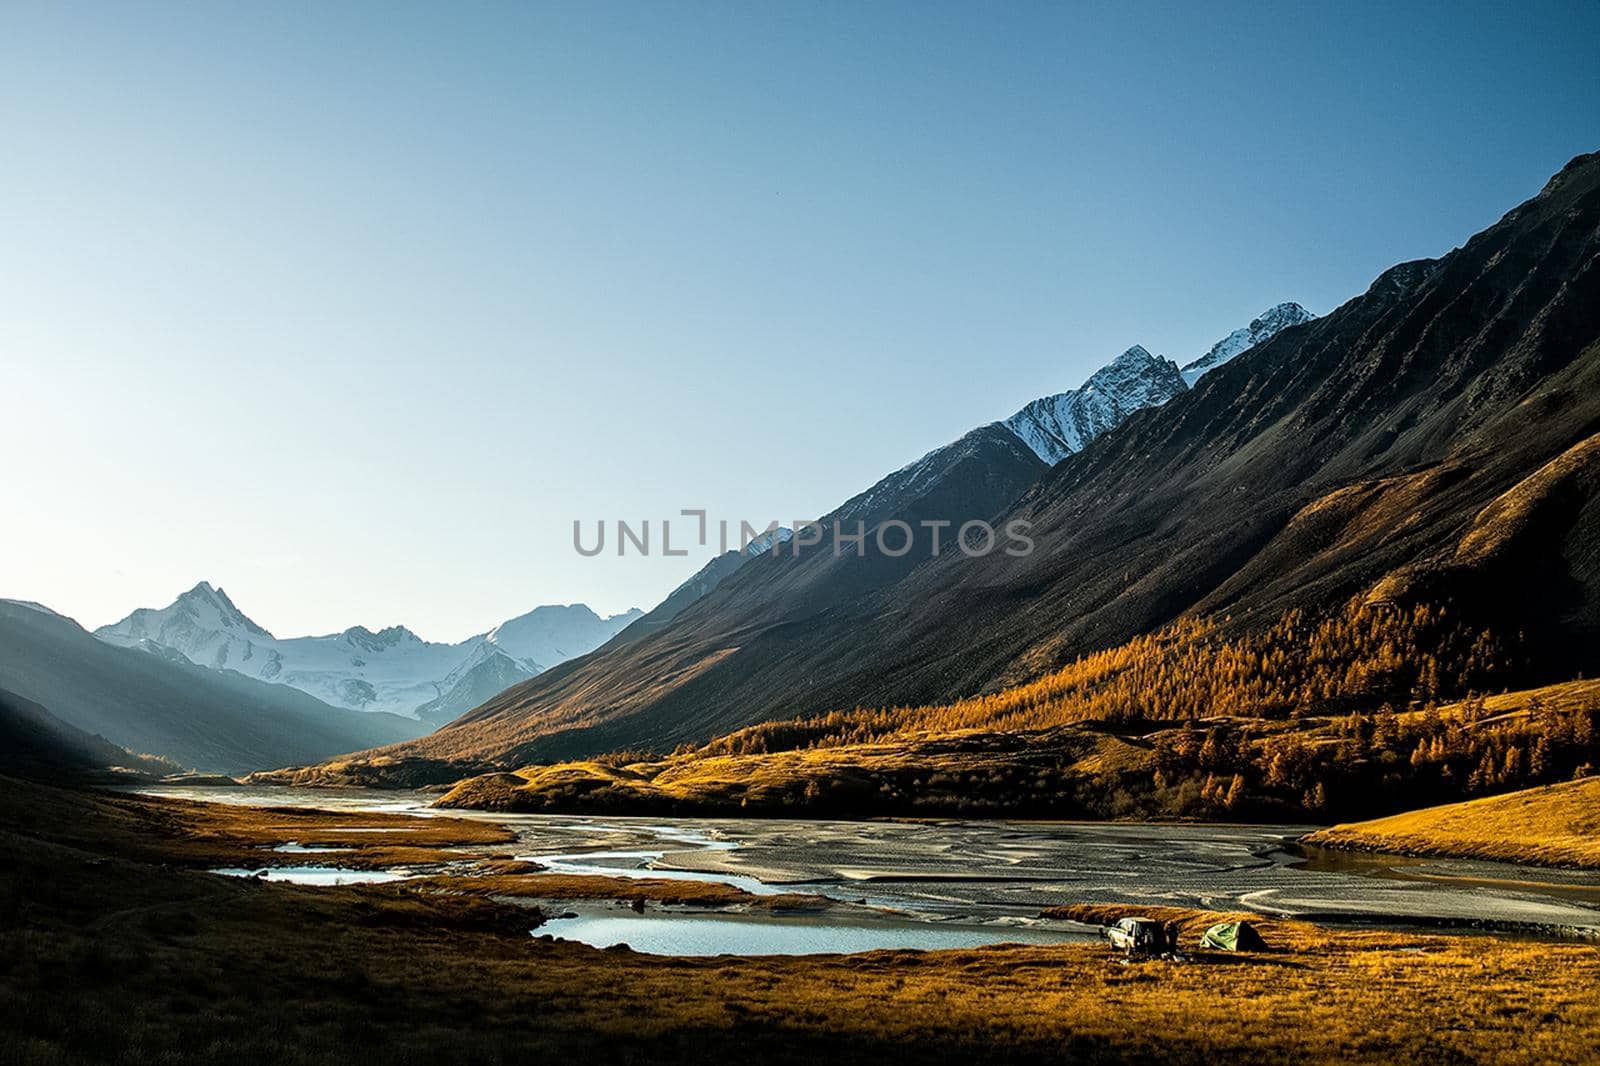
(112, 951)
(1555, 825)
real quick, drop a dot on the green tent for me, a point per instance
(1233, 936)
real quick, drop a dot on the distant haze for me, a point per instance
(353, 309)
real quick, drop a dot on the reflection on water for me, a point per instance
(1469, 873)
(315, 875)
(696, 934)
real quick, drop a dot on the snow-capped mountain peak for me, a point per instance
(202, 621)
(1138, 355)
(1057, 426)
(208, 604)
(391, 669)
(768, 540)
(1271, 322)
(555, 633)
(381, 641)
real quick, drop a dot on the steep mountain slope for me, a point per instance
(1052, 427)
(1431, 439)
(983, 470)
(35, 743)
(392, 670)
(700, 584)
(203, 718)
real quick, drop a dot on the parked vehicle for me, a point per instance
(1141, 936)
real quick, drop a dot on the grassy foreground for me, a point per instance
(105, 955)
(1558, 825)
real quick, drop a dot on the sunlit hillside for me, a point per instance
(1370, 711)
(1368, 656)
(1556, 824)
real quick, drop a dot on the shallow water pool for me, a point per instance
(696, 934)
(314, 875)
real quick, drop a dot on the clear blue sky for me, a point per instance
(352, 308)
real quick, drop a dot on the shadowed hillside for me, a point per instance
(204, 719)
(36, 744)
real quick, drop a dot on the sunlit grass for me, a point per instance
(1555, 825)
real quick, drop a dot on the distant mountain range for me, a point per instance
(162, 704)
(391, 670)
(404, 685)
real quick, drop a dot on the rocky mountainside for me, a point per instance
(1051, 427)
(391, 670)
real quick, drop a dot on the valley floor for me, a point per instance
(114, 947)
